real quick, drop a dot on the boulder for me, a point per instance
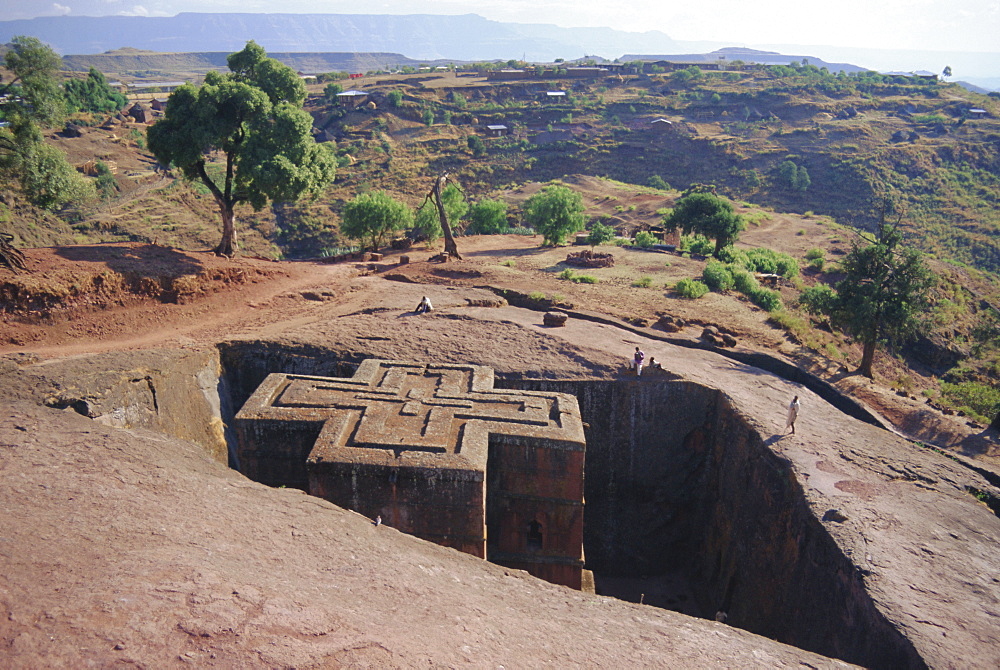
(555, 319)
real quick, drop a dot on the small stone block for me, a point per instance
(554, 319)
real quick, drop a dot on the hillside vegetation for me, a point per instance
(807, 156)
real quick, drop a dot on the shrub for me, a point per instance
(566, 274)
(644, 239)
(981, 400)
(690, 288)
(643, 282)
(600, 234)
(509, 263)
(717, 276)
(699, 244)
(476, 145)
(585, 279)
(744, 282)
(819, 299)
(815, 253)
(656, 181)
(817, 264)
(536, 296)
(733, 256)
(786, 266)
(766, 299)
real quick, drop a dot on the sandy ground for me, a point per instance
(215, 571)
(253, 298)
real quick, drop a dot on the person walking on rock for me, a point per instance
(639, 358)
(793, 413)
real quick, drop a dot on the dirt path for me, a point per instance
(99, 308)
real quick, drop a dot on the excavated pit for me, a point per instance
(686, 508)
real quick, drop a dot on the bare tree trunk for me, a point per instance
(867, 358)
(227, 246)
(450, 247)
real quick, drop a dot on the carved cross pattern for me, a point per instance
(404, 409)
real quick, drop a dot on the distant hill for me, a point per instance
(730, 54)
(423, 36)
(142, 63)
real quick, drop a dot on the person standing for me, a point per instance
(639, 357)
(793, 413)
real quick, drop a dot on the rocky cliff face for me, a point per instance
(849, 542)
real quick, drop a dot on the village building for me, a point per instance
(352, 98)
(435, 451)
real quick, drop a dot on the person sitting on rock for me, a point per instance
(654, 364)
(423, 306)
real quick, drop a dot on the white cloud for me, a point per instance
(60, 10)
(137, 10)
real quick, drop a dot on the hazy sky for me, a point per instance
(944, 25)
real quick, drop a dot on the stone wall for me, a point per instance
(169, 391)
(678, 483)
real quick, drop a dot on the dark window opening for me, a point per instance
(534, 535)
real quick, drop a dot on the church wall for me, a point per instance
(441, 506)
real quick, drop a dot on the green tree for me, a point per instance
(373, 216)
(882, 294)
(947, 71)
(428, 116)
(253, 118)
(476, 145)
(331, 91)
(93, 94)
(656, 181)
(600, 234)
(709, 215)
(107, 186)
(794, 176)
(428, 221)
(488, 217)
(395, 97)
(48, 180)
(29, 100)
(33, 92)
(555, 212)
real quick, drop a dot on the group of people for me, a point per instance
(639, 358)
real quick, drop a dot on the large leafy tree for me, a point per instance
(371, 217)
(556, 212)
(252, 120)
(883, 292)
(30, 100)
(93, 94)
(488, 217)
(706, 214)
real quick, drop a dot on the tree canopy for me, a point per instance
(32, 99)
(882, 294)
(556, 212)
(372, 216)
(709, 215)
(92, 94)
(252, 117)
(488, 217)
